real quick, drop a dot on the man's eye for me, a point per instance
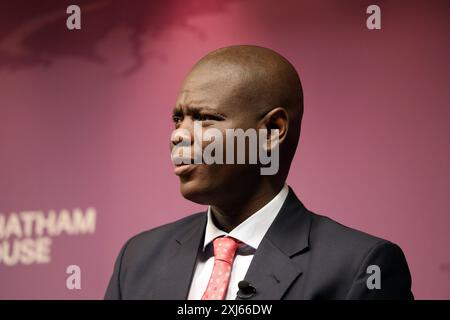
(176, 119)
(205, 117)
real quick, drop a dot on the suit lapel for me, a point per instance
(175, 279)
(273, 268)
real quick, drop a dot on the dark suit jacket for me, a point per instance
(302, 256)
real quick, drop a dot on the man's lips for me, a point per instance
(183, 169)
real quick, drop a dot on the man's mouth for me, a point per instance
(183, 165)
(182, 169)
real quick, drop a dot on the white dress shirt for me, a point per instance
(250, 232)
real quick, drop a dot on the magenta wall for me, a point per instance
(85, 122)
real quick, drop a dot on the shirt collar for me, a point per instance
(252, 230)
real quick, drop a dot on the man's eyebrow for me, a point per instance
(195, 109)
(176, 110)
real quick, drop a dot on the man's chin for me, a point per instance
(194, 192)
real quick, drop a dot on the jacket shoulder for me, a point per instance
(161, 235)
(328, 232)
(349, 249)
(342, 256)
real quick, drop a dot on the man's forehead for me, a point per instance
(213, 73)
(193, 99)
(210, 78)
(207, 91)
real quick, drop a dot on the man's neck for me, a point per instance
(229, 216)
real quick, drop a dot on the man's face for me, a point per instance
(212, 96)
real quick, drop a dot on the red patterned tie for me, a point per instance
(224, 252)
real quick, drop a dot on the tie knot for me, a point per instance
(225, 248)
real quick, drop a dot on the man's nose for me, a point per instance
(183, 132)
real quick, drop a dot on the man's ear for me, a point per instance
(276, 118)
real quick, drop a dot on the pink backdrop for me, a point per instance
(85, 121)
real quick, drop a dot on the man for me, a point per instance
(256, 240)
